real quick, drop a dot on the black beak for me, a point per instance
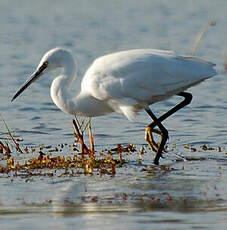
(33, 78)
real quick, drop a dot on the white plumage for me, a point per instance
(128, 81)
(123, 82)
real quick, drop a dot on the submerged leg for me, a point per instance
(157, 122)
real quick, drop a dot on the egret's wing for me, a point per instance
(166, 76)
(137, 77)
(107, 74)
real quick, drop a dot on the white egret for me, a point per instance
(124, 82)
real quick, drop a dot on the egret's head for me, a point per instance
(55, 58)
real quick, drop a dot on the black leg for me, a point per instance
(187, 100)
(157, 121)
(164, 135)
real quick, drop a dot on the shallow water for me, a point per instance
(193, 195)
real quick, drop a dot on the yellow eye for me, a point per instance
(45, 64)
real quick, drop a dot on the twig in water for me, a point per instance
(92, 145)
(199, 37)
(11, 136)
(225, 62)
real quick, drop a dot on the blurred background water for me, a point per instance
(91, 29)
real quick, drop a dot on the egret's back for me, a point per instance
(141, 77)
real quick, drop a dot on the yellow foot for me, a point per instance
(150, 139)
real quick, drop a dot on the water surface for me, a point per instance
(192, 195)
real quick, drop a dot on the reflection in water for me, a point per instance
(133, 202)
(176, 190)
(134, 197)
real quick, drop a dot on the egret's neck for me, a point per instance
(69, 72)
(83, 104)
(61, 86)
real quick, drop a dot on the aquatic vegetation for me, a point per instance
(86, 160)
(7, 136)
(58, 161)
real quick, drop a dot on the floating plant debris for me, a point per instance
(106, 165)
(77, 159)
(203, 147)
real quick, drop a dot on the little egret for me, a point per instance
(124, 82)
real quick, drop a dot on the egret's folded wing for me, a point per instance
(141, 75)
